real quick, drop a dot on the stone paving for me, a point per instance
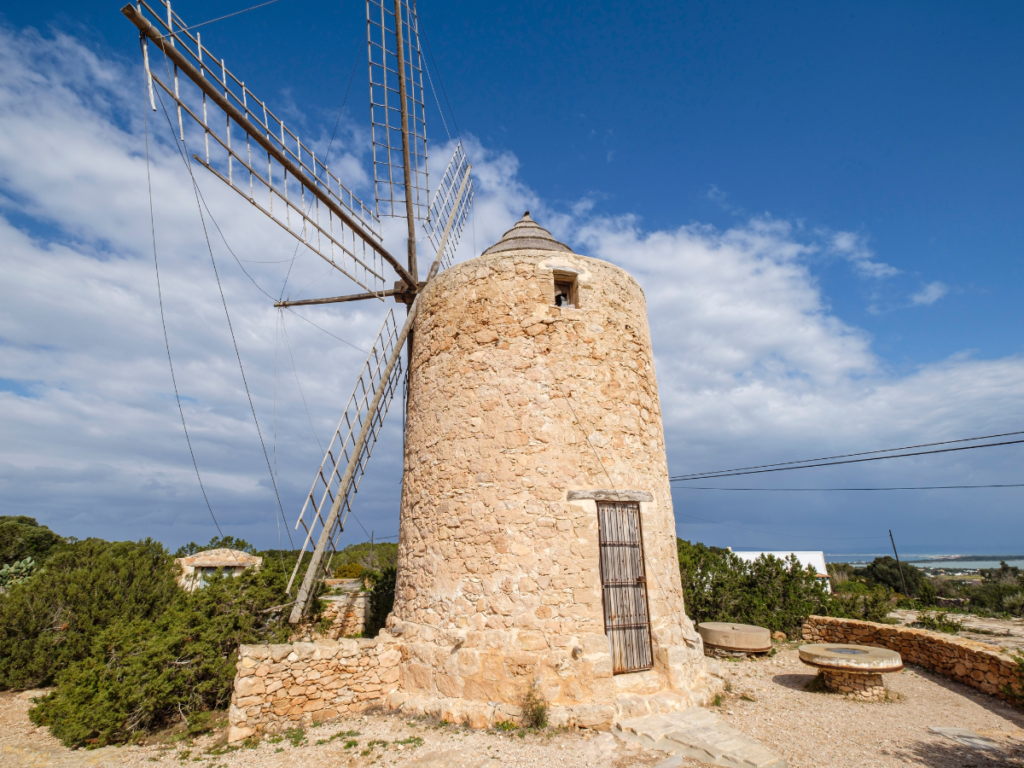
(699, 734)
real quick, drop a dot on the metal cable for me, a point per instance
(848, 455)
(221, 18)
(224, 302)
(715, 476)
(790, 535)
(163, 322)
(906, 488)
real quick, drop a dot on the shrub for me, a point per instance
(142, 672)
(349, 571)
(1014, 604)
(772, 593)
(22, 537)
(53, 619)
(865, 604)
(535, 709)
(886, 571)
(382, 600)
(385, 554)
(938, 623)
(852, 588)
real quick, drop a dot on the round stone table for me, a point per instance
(852, 669)
(737, 639)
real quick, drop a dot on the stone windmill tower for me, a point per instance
(537, 545)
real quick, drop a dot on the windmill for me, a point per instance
(249, 148)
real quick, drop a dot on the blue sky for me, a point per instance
(822, 202)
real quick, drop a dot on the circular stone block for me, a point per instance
(735, 637)
(850, 658)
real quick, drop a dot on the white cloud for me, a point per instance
(930, 293)
(852, 247)
(752, 364)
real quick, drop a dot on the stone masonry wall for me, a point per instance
(298, 684)
(979, 665)
(347, 613)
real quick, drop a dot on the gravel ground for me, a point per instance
(822, 729)
(809, 729)
(426, 745)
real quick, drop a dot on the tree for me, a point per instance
(217, 542)
(22, 537)
(886, 572)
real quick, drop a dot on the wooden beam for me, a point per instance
(217, 97)
(335, 299)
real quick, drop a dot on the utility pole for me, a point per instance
(371, 549)
(898, 563)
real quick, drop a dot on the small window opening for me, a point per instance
(565, 290)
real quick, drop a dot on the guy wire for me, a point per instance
(224, 302)
(163, 322)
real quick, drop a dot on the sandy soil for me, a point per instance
(809, 729)
(823, 729)
(427, 745)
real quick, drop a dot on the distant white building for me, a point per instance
(814, 559)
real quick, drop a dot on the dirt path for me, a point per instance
(810, 730)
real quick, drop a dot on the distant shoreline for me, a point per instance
(925, 559)
(968, 558)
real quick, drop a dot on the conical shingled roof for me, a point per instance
(527, 234)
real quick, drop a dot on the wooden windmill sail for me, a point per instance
(249, 148)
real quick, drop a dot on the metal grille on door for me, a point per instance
(624, 586)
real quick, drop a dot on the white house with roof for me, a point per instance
(198, 568)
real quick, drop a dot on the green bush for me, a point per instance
(349, 571)
(143, 672)
(940, 622)
(864, 603)
(772, 593)
(382, 600)
(852, 588)
(217, 542)
(22, 537)
(886, 572)
(385, 555)
(53, 619)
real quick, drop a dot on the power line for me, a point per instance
(790, 535)
(849, 455)
(731, 473)
(906, 488)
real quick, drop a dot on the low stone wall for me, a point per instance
(347, 613)
(979, 665)
(298, 684)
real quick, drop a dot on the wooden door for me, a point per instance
(624, 586)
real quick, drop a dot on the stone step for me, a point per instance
(699, 734)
